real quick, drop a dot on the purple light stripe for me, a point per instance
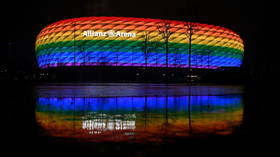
(128, 64)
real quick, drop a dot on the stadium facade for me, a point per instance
(137, 42)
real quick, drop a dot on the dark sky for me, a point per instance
(24, 20)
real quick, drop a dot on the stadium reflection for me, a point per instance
(138, 118)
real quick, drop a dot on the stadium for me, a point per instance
(129, 44)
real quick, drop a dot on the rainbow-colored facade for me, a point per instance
(140, 42)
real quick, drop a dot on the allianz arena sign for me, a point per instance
(110, 33)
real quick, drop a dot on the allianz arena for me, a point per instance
(137, 42)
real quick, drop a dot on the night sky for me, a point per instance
(24, 20)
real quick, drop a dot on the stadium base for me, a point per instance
(140, 74)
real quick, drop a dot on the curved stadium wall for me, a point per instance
(140, 42)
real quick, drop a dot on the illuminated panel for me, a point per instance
(122, 41)
(139, 118)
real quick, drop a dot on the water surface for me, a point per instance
(137, 113)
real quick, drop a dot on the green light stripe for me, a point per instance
(133, 46)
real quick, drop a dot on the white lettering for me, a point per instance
(85, 33)
(118, 34)
(110, 33)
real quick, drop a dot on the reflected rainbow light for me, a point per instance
(72, 42)
(138, 118)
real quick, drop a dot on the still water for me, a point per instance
(137, 113)
(129, 119)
